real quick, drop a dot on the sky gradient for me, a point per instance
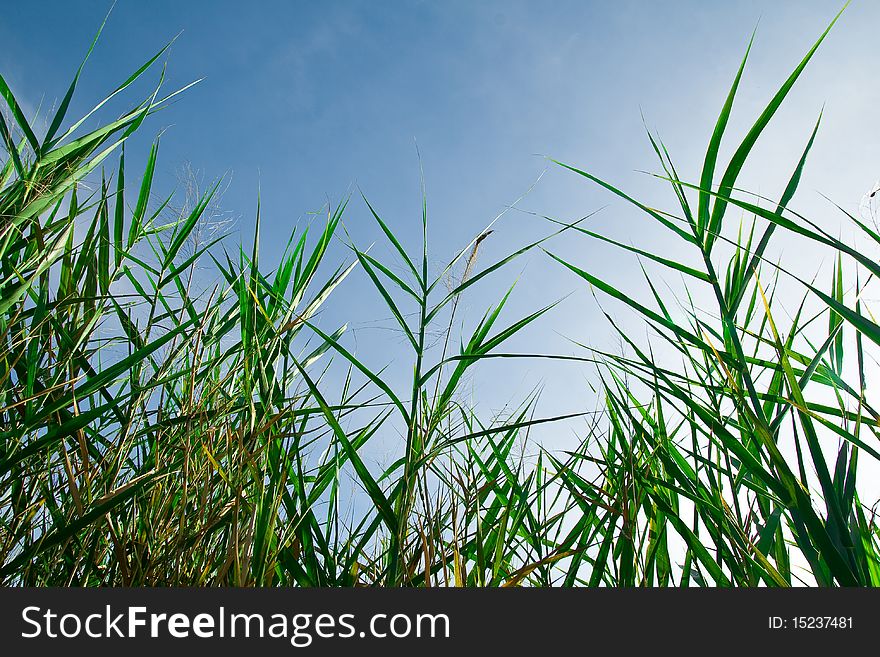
(308, 102)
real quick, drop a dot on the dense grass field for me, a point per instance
(157, 430)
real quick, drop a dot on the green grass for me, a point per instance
(160, 431)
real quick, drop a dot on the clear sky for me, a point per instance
(310, 100)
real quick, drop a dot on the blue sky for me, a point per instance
(309, 101)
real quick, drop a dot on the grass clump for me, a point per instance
(160, 431)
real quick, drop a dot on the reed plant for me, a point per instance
(166, 426)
